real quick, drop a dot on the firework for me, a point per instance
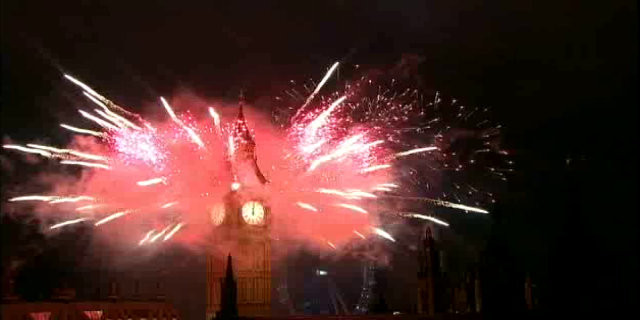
(139, 146)
(319, 86)
(321, 120)
(341, 158)
(347, 146)
(114, 117)
(192, 134)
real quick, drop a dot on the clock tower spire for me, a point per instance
(241, 224)
(242, 150)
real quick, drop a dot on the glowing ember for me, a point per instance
(86, 164)
(349, 145)
(352, 207)
(169, 204)
(322, 118)
(83, 131)
(68, 151)
(349, 194)
(462, 207)
(216, 119)
(160, 234)
(149, 182)
(359, 234)
(34, 198)
(172, 232)
(88, 207)
(194, 137)
(319, 86)
(146, 237)
(375, 168)
(28, 150)
(72, 199)
(112, 217)
(414, 151)
(99, 121)
(306, 206)
(84, 86)
(114, 117)
(134, 146)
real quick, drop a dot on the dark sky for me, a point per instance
(561, 76)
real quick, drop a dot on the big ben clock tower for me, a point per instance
(241, 223)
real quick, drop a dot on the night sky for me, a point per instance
(561, 77)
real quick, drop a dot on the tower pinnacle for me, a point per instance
(229, 302)
(241, 105)
(244, 148)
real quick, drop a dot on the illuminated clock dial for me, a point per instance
(253, 213)
(217, 214)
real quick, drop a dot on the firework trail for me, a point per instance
(426, 217)
(318, 87)
(327, 175)
(66, 223)
(84, 131)
(172, 232)
(383, 234)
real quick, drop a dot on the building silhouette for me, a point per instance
(229, 294)
(429, 300)
(440, 292)
(64, 305)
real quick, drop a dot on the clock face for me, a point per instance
(253, 213)
(217, 214)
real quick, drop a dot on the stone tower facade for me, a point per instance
(242, 224)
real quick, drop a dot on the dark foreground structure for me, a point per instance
(63, 306)
(89, 310)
